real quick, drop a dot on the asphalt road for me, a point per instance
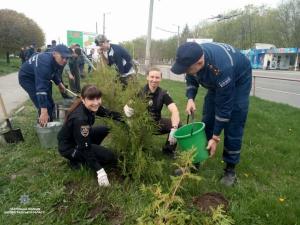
(282, 91)
(12, 93)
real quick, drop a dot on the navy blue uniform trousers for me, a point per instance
(233, 131)
(29, 86)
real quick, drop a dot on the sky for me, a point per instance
(124, 20)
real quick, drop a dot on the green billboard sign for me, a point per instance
(84, 39)
(74, 37)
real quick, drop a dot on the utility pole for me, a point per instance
(106, 13)
(103, 24)
(96, 28)
(148, 44)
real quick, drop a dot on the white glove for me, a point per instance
(172, 139)
(102, 178)
(128, 111)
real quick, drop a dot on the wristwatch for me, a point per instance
(217, 139)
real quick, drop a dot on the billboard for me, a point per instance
(84, 39)
(74, 37)
(200, 40)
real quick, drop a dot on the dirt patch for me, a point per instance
(111, 213)
(210, 200)
(71, 187)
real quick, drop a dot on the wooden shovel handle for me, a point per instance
(72, 93)
(3, 107)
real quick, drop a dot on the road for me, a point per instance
(12, 93)
(281, 91)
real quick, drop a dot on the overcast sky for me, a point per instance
(125, 20)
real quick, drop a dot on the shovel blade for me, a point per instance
(13, 136)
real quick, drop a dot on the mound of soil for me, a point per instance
(210, 200)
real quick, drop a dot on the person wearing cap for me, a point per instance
(51, 48)
(157, 98)
(113, 54)
(35, 77)
(227, 75)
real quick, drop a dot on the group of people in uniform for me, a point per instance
(223, 70)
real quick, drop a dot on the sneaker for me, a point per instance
(229, 178)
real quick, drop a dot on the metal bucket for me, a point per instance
(48, 135)
(61, 108)
(61, 112)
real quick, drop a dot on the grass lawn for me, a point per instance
(7, 68)
(268, 191)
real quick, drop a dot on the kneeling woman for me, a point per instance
(79, 142)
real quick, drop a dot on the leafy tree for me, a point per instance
(186, 33)
(289, 16)
(241, 28)
(17, 30)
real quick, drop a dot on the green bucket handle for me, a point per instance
(188, 119)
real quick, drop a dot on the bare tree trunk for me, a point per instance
(7, 57)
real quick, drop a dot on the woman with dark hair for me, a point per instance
(79, 141)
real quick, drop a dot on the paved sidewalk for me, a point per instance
(12, 93)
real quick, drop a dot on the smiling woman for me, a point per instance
(79, 141)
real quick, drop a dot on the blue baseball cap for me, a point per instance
(63, 50)
(187, 54)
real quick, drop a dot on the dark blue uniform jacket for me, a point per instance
(117, 55)
(41, 68)
(225, 69)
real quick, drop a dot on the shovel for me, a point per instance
(72, 93)
(12, 135)
(68, 90)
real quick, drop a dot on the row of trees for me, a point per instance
(241, 28)
(17, 30)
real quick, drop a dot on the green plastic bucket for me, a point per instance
(197, 139)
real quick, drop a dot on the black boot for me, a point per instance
(169, 150)
(229, 178)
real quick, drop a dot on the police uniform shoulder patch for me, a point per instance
(150, 103)
(85, 130)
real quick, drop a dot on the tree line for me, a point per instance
(241, 28)
(16, 31)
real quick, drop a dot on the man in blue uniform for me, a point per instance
(35, 77)
(227, 75)
(116, 55)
